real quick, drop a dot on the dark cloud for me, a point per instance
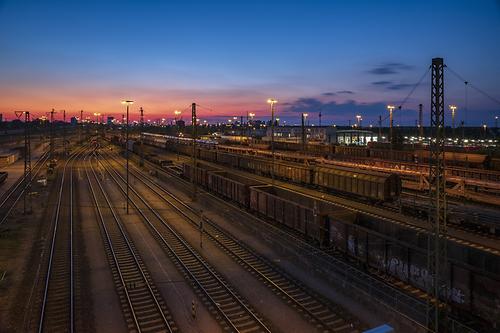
(390, 68)
(333, 111)
(328, 94)
(345, 92)
(400, 86)
(381, 83)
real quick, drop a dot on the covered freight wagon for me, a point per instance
(362, 183)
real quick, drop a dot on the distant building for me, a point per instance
(180, 123)
(1, 117)
(355, 137)
(74, 121)
(325, 134)
(110, 120)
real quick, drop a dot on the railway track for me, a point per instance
(15, 193)
(143, 307)
(322, 313)
(57, 312)
(458, 235)
(232, 311)
(395, 295)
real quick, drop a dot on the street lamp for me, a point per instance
(127, 103)
(97, 115)
(358, 118)
(272, 102)
(453, 109)
(249, 116)
(391, 109)
(304, 117)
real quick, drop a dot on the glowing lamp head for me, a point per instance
(127, 102)
(271, 101)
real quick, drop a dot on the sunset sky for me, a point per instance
(339, 57)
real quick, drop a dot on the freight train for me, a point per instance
(365, 184)
(376, 244)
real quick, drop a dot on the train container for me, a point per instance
(495, 164)
(392, 249)
(395, 155)
(457, 159)
(295, 211)
(3, 176)
(297, 173)
(208, 155)
(199, 173)
(229, 159)
(362, 183)
(352, 151)
(231, 186)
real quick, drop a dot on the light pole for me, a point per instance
(272, 102)
(391, 109)
(358, 118)
(484, 128)
(127, 103)
(304, 117)
(250, 115)
(453, 109)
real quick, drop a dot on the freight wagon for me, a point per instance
(379, 245)
(282, 206)
(198, 174)
(362, 183)
(231, 186)
(351, 151)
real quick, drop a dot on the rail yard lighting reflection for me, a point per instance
(127, 103)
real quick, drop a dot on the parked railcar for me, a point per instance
(300, 216)
(363, 183)
(199, 173)
(379, 244)
(231, 186)
(352, 151)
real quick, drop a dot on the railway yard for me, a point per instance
(229, 238)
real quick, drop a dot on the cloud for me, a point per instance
(345, 92)
(390, 68)
(400, 86)
(328, 94)
(381, 83)
(333, 111)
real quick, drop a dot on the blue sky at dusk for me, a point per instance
(339, 57)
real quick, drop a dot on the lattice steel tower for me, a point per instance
(437, 247)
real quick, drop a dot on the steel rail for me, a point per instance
(387, 294)
(189, 251)
(277, 280)
(118, 260)
(52, 253)
(17, 185)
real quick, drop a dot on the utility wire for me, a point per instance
(403, 102)
(473, 86)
